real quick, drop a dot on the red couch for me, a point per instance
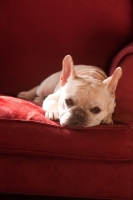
(37, 156)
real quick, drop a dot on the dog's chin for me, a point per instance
(75, 125)
(71, 124)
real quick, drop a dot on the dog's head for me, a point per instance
(86, 102)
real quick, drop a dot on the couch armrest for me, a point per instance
(124, 94)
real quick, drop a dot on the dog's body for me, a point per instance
(78, 96)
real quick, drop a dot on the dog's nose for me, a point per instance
(79, 115)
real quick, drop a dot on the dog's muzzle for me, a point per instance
(77, 117)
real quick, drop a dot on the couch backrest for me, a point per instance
(35, 35)
(124, 92)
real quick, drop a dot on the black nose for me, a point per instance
(78, 116)
(79, 113)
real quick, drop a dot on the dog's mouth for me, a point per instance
(72, 125)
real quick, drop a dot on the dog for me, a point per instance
(77, 96)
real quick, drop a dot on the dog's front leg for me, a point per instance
(50, 105)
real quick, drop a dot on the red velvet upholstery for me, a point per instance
(37, 156)
(124, 97)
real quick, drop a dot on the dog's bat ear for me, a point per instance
(67, 70)
(112, 81)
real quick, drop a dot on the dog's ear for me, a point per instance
(67, 70)
(112, 81)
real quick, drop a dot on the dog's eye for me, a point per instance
(95, 110)
(69, 102)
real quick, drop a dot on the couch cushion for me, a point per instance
(37, 156)
(32, 133)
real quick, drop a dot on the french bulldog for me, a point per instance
(77, 96)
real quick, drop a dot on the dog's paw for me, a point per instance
(39, 100)
(52, 115)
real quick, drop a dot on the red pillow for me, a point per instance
(18, 109)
